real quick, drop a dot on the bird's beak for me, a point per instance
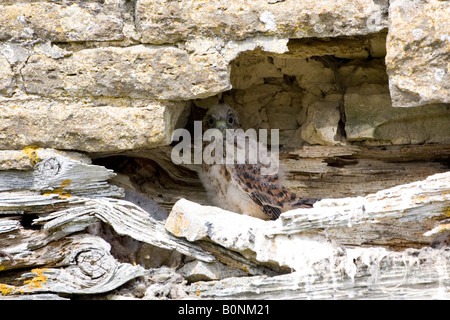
(221, 125)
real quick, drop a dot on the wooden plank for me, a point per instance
(88, 268)
(297, 239)
(126, 219)
(371, 274)
(350, 245)
(56, 173)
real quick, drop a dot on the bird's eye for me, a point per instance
(230, 120)
(210, 121)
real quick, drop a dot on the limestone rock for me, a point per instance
(15, 53)
(371, 117)
(250, 70)
(203, 271)
(89, 21)
(6, 76)
(418, 45)
(164, 72)
(46, 175)
(162, 21)
(92, 129)
(321, 123)
(310, 74)
(165, 283)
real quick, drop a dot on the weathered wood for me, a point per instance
(323, 250)
(415, 201)
(9, 224)
(348, 171)
(293, 241)
(372, 274)
(58, 173)
(89, 268)
(313, 171)
(53, 187)
(152, 172)
(323, 267)
(126, 219)
(41, 296)
(237, 261)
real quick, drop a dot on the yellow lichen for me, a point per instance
(6, 289)
(62, 194)
(66, 183)
(38, 280)
(442, 228)
(447, 212)
(30, 151)
(421, 198)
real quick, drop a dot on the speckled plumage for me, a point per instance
(240, 187)
(441, 241)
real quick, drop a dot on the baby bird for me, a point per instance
(243, 187)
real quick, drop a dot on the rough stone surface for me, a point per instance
(92, 129)
(6, 76)
(162, 21)
(87, 21)
(370, 117)
(320, 100)
(418, 46)
(371, 274)
(202, 271)
(283, 62)
(165, 72)
(321, 123)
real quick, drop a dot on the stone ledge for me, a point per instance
(161, 21)
(152, 72)
(90, 129)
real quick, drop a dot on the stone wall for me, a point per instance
(322, 73)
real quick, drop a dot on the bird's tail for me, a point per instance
(304, 203)
(441, 241)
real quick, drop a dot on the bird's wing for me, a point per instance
(264, 190)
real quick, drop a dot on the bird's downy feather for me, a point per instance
(266, 193)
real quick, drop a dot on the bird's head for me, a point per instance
(221, 117)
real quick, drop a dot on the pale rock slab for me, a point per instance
(418, 46)
(7, 80)
(91, 129)
(88, 21)
(162, 21)
(156, 72)
(321, 123)
(369, 273)
(204, 271)
(371, 117)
